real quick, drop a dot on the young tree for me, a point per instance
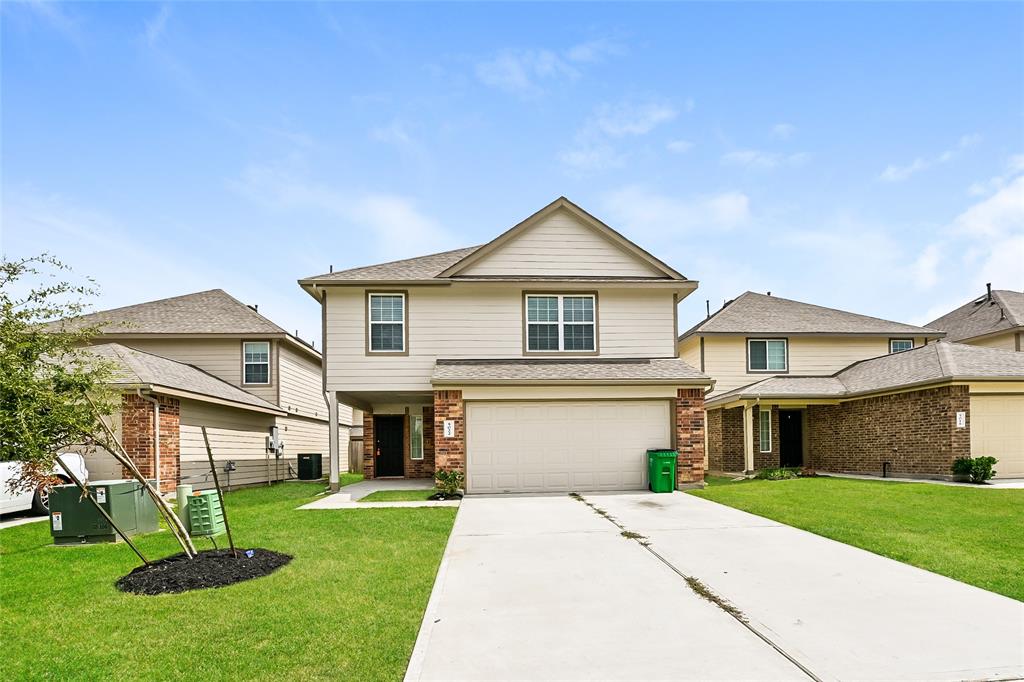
(54, 393)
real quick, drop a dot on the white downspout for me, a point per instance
(156, 433)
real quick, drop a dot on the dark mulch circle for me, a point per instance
(442, 496)
(212, 568)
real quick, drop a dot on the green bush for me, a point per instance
(777, 474)
(979, 469)
(449, 481)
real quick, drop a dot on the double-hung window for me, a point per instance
(766, 355)
(386, 323)
(256, 362)
(900, 345)
(764, 418)
(561, 323)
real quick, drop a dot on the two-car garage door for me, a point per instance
(997, 430)
(562, 446)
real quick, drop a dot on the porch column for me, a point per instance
(333, 440)
(748, 438)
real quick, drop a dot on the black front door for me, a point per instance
(387, 430)
(791, 438)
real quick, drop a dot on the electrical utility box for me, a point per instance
(74, 520)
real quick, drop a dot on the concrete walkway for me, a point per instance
(20, 519)
(546, 588)
(348, 497)
(993, 484)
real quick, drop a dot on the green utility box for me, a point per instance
(205, 514)
(75, 520)
(661, 470)
(311, 466)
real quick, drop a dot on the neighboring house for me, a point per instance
(276, 378)
(903, 414)
(544, 360)
(758, 335)
(995, 320)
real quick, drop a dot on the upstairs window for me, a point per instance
(767, 355)
(561, 323)
(900, 345)
(256, 362)
(386, 323)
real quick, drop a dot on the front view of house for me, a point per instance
(544, 360)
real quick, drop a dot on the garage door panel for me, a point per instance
(997, 430)
(563, 446)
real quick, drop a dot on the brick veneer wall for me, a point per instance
(763, 460)
(369, 443)
(713, 424)
(689, 407)
(138, 436)
(915, 432)
(449, 453)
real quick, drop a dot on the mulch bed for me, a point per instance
(212, 568)
(442, 497)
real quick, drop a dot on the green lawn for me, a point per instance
(347, 607)
(975, 536)
(399, 496)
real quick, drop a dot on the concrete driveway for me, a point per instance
(548, 588)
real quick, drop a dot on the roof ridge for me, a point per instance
(942, 351)
(394, 262)
(840, 310)
(1008, 312)
(710, 317)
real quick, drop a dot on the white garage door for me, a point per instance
(997, 430)
(562, 446)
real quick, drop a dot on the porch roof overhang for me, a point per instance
(559, 371)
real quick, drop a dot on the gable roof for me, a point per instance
(204, 313)
(445, 267)
(138, 369)
(985, 315)
(753, 313)
(932, 363)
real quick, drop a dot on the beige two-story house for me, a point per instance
(994, 320)
(800, 385)
(544, 360)
(207, 359)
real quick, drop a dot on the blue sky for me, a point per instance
(864, 156)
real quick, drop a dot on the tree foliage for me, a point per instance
(45, 370)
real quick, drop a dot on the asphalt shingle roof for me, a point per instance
(753, 313)
(205, 312)
(138, 368)
(939, 361)
(1005, 310)
(419, 268)
(547, 370)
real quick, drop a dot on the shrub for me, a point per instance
(449, 481)
(777, 474)
(979, 469)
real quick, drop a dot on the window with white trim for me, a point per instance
(256, 362)
(416, 437)
(561, 323)
(766, 355)
(765, 429)
(387, 323)
(900, 345)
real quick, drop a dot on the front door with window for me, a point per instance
(791, 440)
(389, 451)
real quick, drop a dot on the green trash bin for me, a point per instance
(661, 470)
(205, 515)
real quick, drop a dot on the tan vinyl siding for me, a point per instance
(301, 384)
(236, 435)
(689, 351)
(469, 321)
(303, 435)
(1007, 341)
(725, 357)
(220, 357)
(561, 245)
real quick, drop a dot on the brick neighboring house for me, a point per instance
(544, 360)
(905, 414)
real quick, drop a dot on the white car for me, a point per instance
(37, 500)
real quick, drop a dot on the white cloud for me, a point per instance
(679, 146)
(592, 148)
(394, 132)
(522, 71)
(593, 51)
(762, 160)
(999, 215)
(155, 27)
(393, 222)
(657, 215)
(926, 267)
(899, 173)
(587, 158)
(631, 118)
(1014, 166)
(783, 131)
